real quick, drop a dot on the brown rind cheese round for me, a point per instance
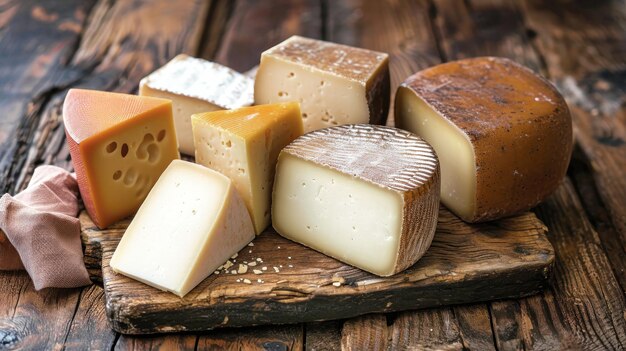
(516, 124)
(366, 195)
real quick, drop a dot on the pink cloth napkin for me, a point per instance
(39, 231)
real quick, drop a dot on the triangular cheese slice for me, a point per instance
(192, 221)
(119, 144)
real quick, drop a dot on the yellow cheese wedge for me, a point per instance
(335, 84)
(503, 134)
(195, 85)
(366, 195)
(120, 144)
(244, 145)
(192, 221)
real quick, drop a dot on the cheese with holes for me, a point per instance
(503, 134)
(195, 85)
(192, 221)
(335, 84)
(244, 145)
(365, 195)
(120, 144)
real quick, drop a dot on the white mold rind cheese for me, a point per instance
(366, 195)
(195, 85)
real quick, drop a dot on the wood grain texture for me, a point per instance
(400, 28)
(584, 46)
(258, 25)
(48, 48)
(434, 329)
(365, 333)
(536, 322)
(513, 250)
(323, 336)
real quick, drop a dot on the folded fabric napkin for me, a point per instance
(39, 231)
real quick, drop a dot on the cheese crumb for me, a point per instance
(264, 268)
(247, 281)
(233, 272)
(276, 269)
(251, 244)
(228, 264)
(234, 256)
(252, 264)
(242, 269)
(256, 271)
(216, 272)
(259, 260)
(290, 266)
(336, 284)
(289, 257)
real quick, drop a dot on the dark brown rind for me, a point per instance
(378, 90)
(390, 158)
(518, 123)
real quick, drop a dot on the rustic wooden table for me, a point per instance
(48, 47)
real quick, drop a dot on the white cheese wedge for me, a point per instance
(195, 85)
(365, 195)
(192, 221)
(334, 84)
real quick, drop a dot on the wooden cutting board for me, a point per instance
(508, 258)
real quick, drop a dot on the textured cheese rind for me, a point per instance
(355, 66)
(518, 123)
(244, 144)
(92, 120)
(386, 157)
(194, 86)
(192, 221)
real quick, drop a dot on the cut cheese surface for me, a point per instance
(503, 134)
(366, 195)
(335, 84)
(195, 85)
(192, 221)
(119, 144)
(244, 144)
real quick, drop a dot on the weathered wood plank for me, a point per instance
(537, 322)
(323, 336)
(289, 337)
(474, 322)
(36, 40)
(400, 28)
(89, 328)
(434, 329)
(463, 260)
(258, 25)
(111, 53)
(365, 333)
(584, 45)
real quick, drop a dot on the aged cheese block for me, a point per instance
(243, 144)
(192, 221)
(366, 195)
(195, 85)
(503, 134)
(335, 84)
(120, 144)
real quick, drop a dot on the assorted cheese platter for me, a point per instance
(300, 205)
